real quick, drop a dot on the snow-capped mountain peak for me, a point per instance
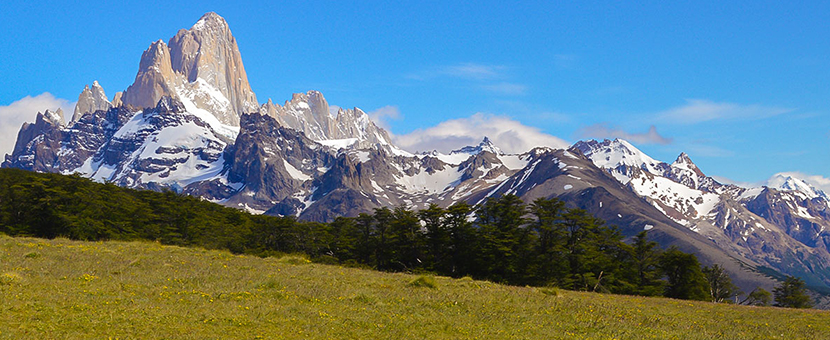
(210, 20)
(684, 164)
(91, 100)
(485, 145)
(786, 182)
(619, 152)
(683, 161)
(201, 66)
(56, 117)
(310, 113)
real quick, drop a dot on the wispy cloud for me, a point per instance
(473, 71)
(510, 135)
(382, 115)
(494, 79)
(25, 110)
(506, 88)
(701, 110)
(603, 130)
(469, 71)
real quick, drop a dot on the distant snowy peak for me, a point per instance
(625, 162)
(610, 154)
(786, 182)
(686, 172)
(485, 145)
(210, 21)
(685, 163)
(310, 113)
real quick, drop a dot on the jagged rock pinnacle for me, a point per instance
(155, 78)
(201, 66)
(91, 100)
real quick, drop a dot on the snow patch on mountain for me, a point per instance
(338, 144)
(688, 201)
(425, 183)
(294, 173)
(210, 97)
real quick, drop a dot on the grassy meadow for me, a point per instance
(61, 289)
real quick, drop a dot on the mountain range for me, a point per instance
(191, 123)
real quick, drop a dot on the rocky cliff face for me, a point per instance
(155, 78)
(208, 51)
(275, 165)
(48, 146)
(201, 67)
(38, 144)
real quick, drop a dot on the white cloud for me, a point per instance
(509, 135)
(700, 110)
(602, 130)
(505, 88)
(382, 115)
(25, 110)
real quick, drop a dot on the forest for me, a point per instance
(504, 240)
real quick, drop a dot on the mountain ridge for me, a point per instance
(190, 123)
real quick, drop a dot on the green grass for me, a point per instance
(146, 290)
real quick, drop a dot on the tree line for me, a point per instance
(505, 240)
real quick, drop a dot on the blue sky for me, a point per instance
(743, 87)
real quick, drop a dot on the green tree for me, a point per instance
(685, 279)
(463, 239)
(407, 239)
(758, 297)
(584, 254)
(550, 265)
(643, 267)
(721, 288)
(438, 242)
(346, 235)
(501, 237)
(365, 247)
(792, 293)
(383, 238)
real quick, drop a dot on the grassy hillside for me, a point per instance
(67, 289)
